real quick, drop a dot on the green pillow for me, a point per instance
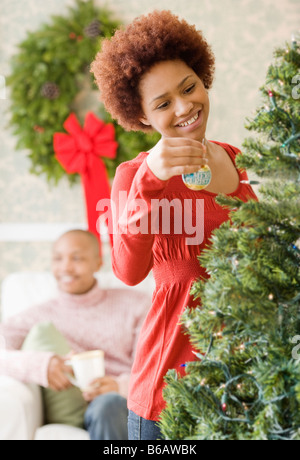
(67, 406)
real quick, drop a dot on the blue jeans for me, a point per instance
(141, 429)
(106, 418)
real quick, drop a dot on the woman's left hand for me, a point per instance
(100, 386)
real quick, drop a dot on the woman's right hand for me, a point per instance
(175, 156)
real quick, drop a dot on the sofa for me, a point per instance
(21, 408)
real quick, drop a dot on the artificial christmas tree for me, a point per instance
(245, 383)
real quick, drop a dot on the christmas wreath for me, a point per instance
(48, 72)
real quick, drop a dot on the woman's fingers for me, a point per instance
(187, 161)
(175, 156)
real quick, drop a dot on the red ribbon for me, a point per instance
(80, 152)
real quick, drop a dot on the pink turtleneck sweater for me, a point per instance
(109, 320)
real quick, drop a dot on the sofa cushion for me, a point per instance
(67, 406)
(57, 432)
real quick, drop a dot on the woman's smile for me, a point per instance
(191, 123)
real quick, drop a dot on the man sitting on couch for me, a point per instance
(82, 317)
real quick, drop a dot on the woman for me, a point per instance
(155, 75)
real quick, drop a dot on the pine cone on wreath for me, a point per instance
(50, 90)
(93, 30)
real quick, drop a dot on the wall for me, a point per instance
(243, 34)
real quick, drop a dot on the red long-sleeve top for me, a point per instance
(171, 252)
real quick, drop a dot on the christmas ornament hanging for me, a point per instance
(198, 180)
(224, 407)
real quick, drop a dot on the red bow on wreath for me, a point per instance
(80, 151)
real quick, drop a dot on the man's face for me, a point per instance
(74, 262)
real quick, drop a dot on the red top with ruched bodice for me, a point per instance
(170, 250)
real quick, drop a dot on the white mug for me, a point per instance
(87, 366)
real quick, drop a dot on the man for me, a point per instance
(89, 318)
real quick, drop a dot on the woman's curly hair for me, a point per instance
(132, 51)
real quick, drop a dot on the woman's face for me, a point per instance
(174, 100)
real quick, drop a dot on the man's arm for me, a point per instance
(26, 366)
